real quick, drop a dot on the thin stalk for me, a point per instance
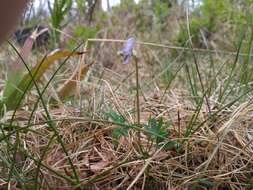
(138, 102)
(137, 91)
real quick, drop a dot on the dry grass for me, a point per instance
(221, 154)
(218, 155)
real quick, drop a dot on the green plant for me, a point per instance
(83, 33)
(161, 11)
(120, 120)
(157, 130)
(81, 5)
(58, 11)
(202, 183)
(205, 20)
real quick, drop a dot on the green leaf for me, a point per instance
(120, 120)
(206, 183)
(116, 117)
(156, 130)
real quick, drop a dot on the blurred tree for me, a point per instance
(93, 6)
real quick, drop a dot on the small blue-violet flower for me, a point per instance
(127, 50)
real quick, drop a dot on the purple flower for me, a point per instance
(127, 50)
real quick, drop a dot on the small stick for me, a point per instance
(172, 47)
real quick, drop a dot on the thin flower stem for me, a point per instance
(138, 102)
(137, 91)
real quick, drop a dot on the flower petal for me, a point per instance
(127, 50)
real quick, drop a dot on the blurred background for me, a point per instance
(211, 22)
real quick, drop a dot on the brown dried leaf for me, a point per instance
(70, 85)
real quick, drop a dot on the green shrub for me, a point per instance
(206, 19)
